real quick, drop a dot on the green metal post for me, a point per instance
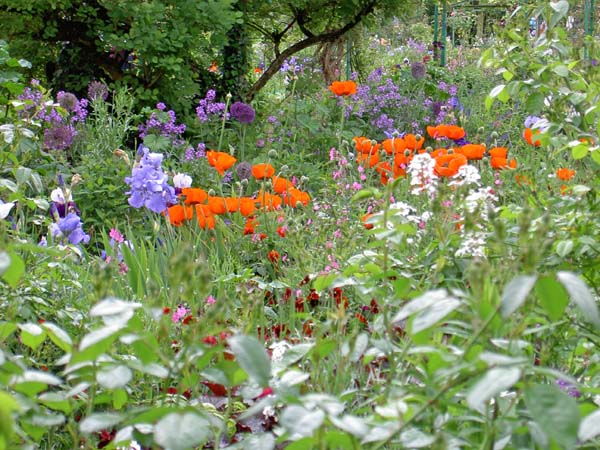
(586, 26)
(443, 40)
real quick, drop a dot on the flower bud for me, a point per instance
(418, 137)
(272, 154)
(76, 179)
(284, 169)
(428, 149)
(304, 179)
(211, 192)
(494, 135)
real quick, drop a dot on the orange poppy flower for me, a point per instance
(367, 160)
(257, 70)
(251, 222)
(205, 218)
(498, 152)
(280, 184)
(274, 256)
(247, 206)
(565, 174)
(194, 196)
(412, 143)
(385, 170)
(365, 145)
(213, 67)
(261, 171)
(448, 165)
(438, 152)
(498, 162)
(472, 151)
(393, 146)
(528, 135)
(453, 132)
(232, 204)
(217, 205)
(401, 161)
(178, 214)
(221, 161)
(364, 220)
(343, 88)
(269, 202)
(295, 196)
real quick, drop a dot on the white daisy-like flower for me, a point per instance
(181, 180)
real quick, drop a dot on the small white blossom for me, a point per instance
(422, 175)
(466, 175)
(58, 196)
(278, 350)
(472, 246)
(181, 180)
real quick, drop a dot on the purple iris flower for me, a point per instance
(70, 227)
(149, 184)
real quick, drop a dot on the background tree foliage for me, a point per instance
(162, 49)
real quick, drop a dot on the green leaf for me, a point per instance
(589, 427)
(182, 431)
(97, 422)
(58, 336)
(32, 335)
(580, 151)
(563, 248)
(301, 422)
(429, 316)
(555, 412)
(488, 102)
(23, 174)
(493, 382)
(252, 357)
(596, 155)
(15, 271)
(515, 293)
(497, 90)
(581, 295)
(534, 103)
(560, 10)
(6, 329)
(561, 70)
(119, 398)
(55, 401)
(4, 257)
(553, 297)
(114, 377)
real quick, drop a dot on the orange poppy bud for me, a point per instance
(261, 171)
(343, 88)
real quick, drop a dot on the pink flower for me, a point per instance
(210, 300)
(179, 314)
(118, 237)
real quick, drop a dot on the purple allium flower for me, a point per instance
(149, 184)
(70, 227)
(59, 137)
(244, 170)
(418, 70)
(67, 100)
(242, 112)
(97, 90)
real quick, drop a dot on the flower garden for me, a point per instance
(405, 257)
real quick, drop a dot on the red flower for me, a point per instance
(274, 256)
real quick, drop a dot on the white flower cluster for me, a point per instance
(467, 175)
(472, 246)
(422, 176)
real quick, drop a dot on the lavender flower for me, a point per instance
(564, 385)
(242, 112)
(163, 124)
(207, 107)
(149, 184)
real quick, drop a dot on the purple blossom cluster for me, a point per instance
(58, 118)
(192, 153)
(387, 103)
(163, 123)
(208, 107)
(97, 90)
(149, 184)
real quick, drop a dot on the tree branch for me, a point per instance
(309, 41)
